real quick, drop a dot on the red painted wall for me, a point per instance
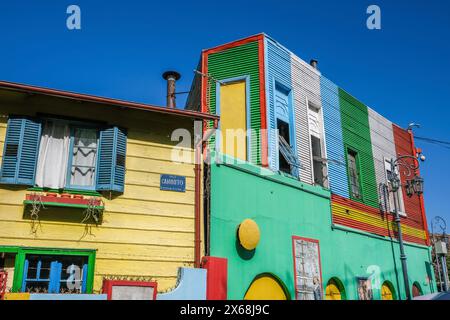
(404, 145)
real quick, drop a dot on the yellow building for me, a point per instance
(90, 190)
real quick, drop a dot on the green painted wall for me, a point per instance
(356, 136)
(284, 207)
(236, 62)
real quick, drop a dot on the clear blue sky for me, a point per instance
(402, 70)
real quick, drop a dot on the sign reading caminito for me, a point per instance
(172, 183)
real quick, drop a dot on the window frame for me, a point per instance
(289, 120)
(241, 79)
(68, 185)
(323, 145)
(358, 168)
(74, 123)
(21, 253)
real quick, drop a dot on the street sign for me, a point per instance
(170, 182)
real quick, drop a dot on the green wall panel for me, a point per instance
(356, 135)
(235, 62)
(283, 208)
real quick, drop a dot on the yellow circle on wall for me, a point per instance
(265, 288)
(248, 234)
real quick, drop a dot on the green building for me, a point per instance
(300, 204)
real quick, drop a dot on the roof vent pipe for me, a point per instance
(314, 63)
(171, 77)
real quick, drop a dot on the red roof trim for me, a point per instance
(234, 44)
(96, 99)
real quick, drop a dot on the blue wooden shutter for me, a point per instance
(21, 151)
(55, 277)
(84, 278)
(111, 160)
(25, 276)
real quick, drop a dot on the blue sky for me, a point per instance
(402, 70)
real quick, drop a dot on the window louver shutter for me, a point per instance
(21, 151)
(111, 160)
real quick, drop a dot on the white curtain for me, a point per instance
(84, 156)
(53, 156)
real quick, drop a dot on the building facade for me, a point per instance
(311, 175)
(86, 191)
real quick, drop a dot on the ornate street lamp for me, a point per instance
(440, 251)
(412, 186)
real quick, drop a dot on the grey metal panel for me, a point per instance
(306, 86)
(383, 144)
(337, 171)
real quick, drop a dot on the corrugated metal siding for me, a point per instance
(234, 62)
(356, 134)
(279, 70)
(356, 215)
(403, 146)
(337, 173)
(306, 84)
(383, 145)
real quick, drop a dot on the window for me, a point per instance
(60, 154)
(67, 156)
(399, 198)
(55, 274)
(232, 107)
(318, 165)
(353, 174)
(283, 147)
(283, 132)
(316, 137)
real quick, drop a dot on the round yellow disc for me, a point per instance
(248, 234)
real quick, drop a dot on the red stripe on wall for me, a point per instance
(375, 230)
(262, 86)
(382, 216)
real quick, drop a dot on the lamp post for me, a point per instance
(412, 186)
(440, 251)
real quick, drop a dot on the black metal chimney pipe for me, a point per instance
(171, 77)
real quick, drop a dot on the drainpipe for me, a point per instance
(198, 146)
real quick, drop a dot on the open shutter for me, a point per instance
(111, 160)
(21, 151)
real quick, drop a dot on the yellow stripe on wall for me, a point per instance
(367, 218)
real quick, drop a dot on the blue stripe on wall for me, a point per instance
(278, 69)
(333, 134)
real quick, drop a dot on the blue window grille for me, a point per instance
(55, 274)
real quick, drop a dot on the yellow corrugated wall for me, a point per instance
(145, 231)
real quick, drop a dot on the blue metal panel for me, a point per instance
(278, 73)
(334, 140)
